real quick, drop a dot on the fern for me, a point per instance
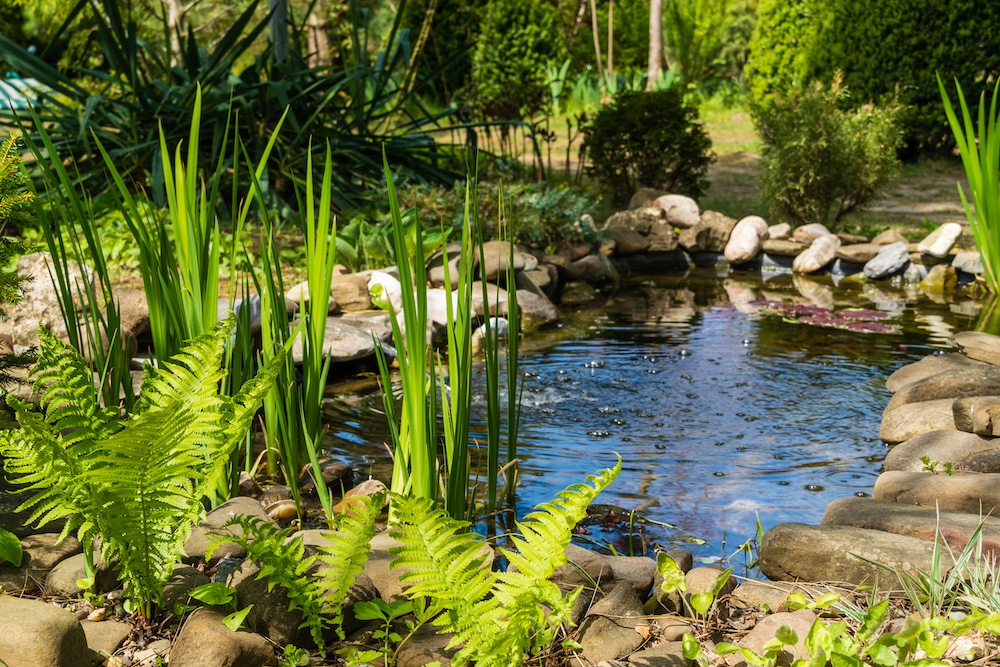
(13, 197)
(138, 483)
(497, 618)
(282, 562)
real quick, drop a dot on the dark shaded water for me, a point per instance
(719, 412)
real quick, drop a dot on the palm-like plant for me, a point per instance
(138, 483)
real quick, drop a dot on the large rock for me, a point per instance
(212, 526)
(494, 302)
(963, 492)
(372, 323)
(350, 293)
(927, 367)
(105, 637)
(780, 232)
(41, 553)
(680, 211)
(800, 621)
(543, 281)
(608, 632)
(783, 248)
(797, 552)
(584, 568)
(423, 647)
(628, 242)
(924, 523)
(746, 239)
(341, 342)
(205, 642)
(496, 256)
(979, 346)
(667, 654)
(387, 288)
(888, 237)
(596, 270)
(968, 261)
(133, 310)
(940, 242)
(641, 220)
(182, 581)
(940, 279)
(41, 302)
(889, 261)
(859, 253)
(808, 233)
(639, 571)
(962, 382)
(965, 451)
(34, 633)
(820, 253)
(977, 414)
(907, 421)
(437, 306)
(710, 234)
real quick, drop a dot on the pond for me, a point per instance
(721, 410)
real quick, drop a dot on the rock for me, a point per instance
(41, 553)
(377, 567)
(337, 476)
(969, 261)
(668, 654)
(584, 567)
(437, 306)
(977, 414)
(851, 239)
(637, 570)
(928, 367)
(639, 220)
(536, 311)
(197, 544)
(596, 270)
(888, 237)
(342, 342)
(628, 242)
(61, 579)
(577, 292)
(914, 273)
(105, 637)
(973, 493)
(350, 292)
(800, 621)
(769, 596)
(608, 632)
(183, 580)
(958, 383)
(662, 237)
(924, 523)
(299, 294)
(808, 233)
(680, 211)
(385, 287)
(133, 310)
(859, 253)
(940, 242)
(371, 323)
(424, 647)
(923, 259)
(701, 579)
(543, 281)
(496, 299)
(912, 419)
(205, 642)
(671, 627)
(369, 487)
(817, 255)
(966, 451)
(34, 633)
(979, 346)
(783, 248)
(644, 198)
(496, 255)
(711, 233)
(797, 552)
(571, 251)
(746, 239)
(780, 232)
(891, 259)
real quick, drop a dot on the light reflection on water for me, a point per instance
(719, 413)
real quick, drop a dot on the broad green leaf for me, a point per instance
(924, 663)
(933, 647)
(368, 611)
(882, 655)
(873, 620)
(725, 648)
(10, 548)
(786, 636)
(571, 644)
(217, 594)
(911, 627)
(824, 601)
(399, 608)
(796, 601)
(673, 576)
(752, 659)
(692, 649)
(990, 624)
(842, 660)
(235, 619)
(702, 602)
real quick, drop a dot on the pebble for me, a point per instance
(97, 615)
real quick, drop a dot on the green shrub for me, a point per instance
(707, 39)
(885, 49)
(649, 140)
(822, 162)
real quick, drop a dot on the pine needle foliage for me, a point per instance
(498, 618)
(282, 561)
(138, 483)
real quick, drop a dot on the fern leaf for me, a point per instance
(347, 553)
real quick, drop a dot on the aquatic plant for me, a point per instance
(138, 483)
(857, 320)
(979, 148)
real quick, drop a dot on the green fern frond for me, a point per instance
(282, 562)
(345, 555)
(13, 198)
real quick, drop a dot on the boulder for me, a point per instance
(299, 294)
(968, 261)
(977, 414)
(105, 637)
(979, 346)
(851, 239)
(973, 493)
(342, 341)
(817, 255)
(783, 248)
(780, 232)
(496, 255)
(928, 261)
(608, 631)
(808, 233)
(543, 281)
(536, 310)
(961, 382)
(797, 552)
(424, 647)
(859, 253)
(680, 211)
(965, 451)
(888, 237)
(907, 421)
(890, 260)
(711, 233)
(640, 221)
(133, 310)
(746, 239)
(644, 198)
(182, 581)
(770, 596)
(494, 303)
(205, 642)
(924, 523)
(350, 292)
(583, 569)
(940, 242)
(197, 543)
(628, 242)
(596, 270)
(371, 323)
(40, 304)
(928, 367)
(800, 622)
(639, 571)
(437, 306)
(34, 633)
(41, 553)
(667, 654)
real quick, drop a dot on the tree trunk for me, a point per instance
(319, 43)
(655, 42)
(279, 29)
(176, 25)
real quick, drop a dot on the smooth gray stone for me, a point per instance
(966, 451)
(905, 422)
(969, 262)
(890, 260)
(963, 492)
(927, 367)
(982, 380)
(979, 346)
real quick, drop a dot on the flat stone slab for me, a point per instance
(341, 342)
(963, 382)
(966, 451)
(859, 253)
(928, 367)
(797, 552)
(905, 422)
(783, 247)
(924, 523)
(977, 414)
(979, 346)
(964, 492)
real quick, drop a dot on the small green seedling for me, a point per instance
(219, 595)
(293, 656)
(387, 612)
(797, 600)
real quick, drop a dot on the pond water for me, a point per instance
(721, 411)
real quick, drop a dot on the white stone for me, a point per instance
(681, 211)
(817, 255)
(391, 288)
(746, 239)
(809, 233)
(940, 242)
(437, 306)
(780, 232)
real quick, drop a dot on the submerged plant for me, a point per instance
(138, 483)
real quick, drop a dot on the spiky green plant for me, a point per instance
(137, 483)
(283, 562)
(14, 209)
(497, 617)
